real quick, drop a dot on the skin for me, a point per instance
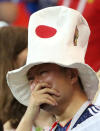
(21, 58)
(8, 11)
(55, 90)
(51, 76)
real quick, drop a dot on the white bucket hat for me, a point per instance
(51, 40)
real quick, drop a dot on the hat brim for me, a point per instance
(19, 85)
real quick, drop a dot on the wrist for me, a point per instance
(31, 113)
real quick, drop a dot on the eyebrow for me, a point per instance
(37, 68)
(30, 74)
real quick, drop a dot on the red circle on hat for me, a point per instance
(44, 31)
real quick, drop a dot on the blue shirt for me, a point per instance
(91, 110)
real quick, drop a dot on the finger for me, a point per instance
(47, 101)
(50, 91)
(40, 86)
(46, 96)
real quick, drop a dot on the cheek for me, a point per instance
(50, 79)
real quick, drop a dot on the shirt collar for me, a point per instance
(75, 118)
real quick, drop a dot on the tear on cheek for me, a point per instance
(31, 88)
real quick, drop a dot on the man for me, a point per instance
(60, 81)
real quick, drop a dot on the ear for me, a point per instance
(72, 74)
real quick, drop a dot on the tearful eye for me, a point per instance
(30, 79)
(30, 82)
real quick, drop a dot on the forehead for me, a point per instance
(43, 66)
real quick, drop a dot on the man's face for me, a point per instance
(57, 78)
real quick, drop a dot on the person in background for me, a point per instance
(46, 3)
(13, 52)
(17, 12)
(8, 11)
